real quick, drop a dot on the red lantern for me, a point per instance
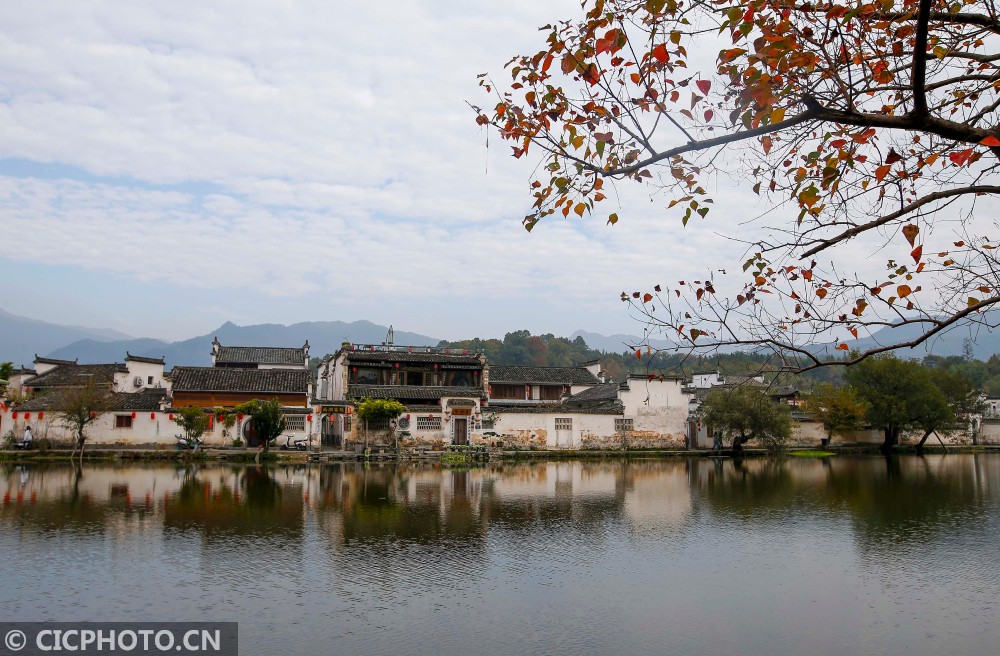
(309, 419)
(435, 366)
(93, 415)
(397, 365)
(211, 422)
(430, 416)
(152, 415)
(409, 349)
(41, 415)
(27, 415)
(13, 415)
(171, 417)
(354, 370)
(133, 415)
(222, 417)
(240, 416)
(447, 350)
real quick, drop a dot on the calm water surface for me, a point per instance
(838, 556)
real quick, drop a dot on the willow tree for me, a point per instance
(869, 129)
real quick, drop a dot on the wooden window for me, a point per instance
(414, 377)
(459, 379)
(622, 425)
(507, 392)
(347, 423)
(295, 422)
(564, 424)
(367, 377)
(550, 392)
(123, 421)
(428, 423)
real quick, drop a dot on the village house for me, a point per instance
(243, 373)
(456, 398)
(444, 391)
(136, 412)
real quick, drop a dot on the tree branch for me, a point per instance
(888, 218)
(919, 77)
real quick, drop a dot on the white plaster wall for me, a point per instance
(539, 429)
(145, 430)
(142, 370)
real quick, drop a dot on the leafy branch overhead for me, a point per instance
(866, 128)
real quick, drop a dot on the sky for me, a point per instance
(166, 167)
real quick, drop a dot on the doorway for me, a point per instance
(461, 431)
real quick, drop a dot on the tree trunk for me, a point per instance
(738, 442)
(920, 444)
(891, 439)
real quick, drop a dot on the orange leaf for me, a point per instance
(646, 298)
(882, 171)
(903, 291)
(910, 231)
(766, 142)
(843, 347)
(990, 141)
(821, 292)
(660, 53)
(638, 354)
(916, 253)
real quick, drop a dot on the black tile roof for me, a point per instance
(357, 357)
(139, 358)
(403, 392)
(604, 408)
(71, 375)
(147, 400)
(602, 392)
(231, 379)
(40, 360)
(560, 375)
(261, 355)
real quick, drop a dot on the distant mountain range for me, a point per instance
(21, 338)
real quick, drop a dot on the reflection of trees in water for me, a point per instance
(906, 501)
(249, 504)
(746, 487)
(896, 502)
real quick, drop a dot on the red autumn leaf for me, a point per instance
(882, 171)
(910, 231)
(704, 86)
(592, 75)
(990, 141)
(660, 53)
(646, 298)
(766, 142)
(838, 143)
(843, 347)
(916, 253)
(638, 354)
(960, 157)
(893, 157)
(821, 292)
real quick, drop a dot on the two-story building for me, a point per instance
(243, 373)
(443, 390)
(136, 410)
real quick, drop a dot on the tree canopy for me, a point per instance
(748, 413)
(78, 407)
(867, 128)
(266, 417)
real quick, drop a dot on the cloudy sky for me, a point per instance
(165, 167)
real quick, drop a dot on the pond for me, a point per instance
(859, 555)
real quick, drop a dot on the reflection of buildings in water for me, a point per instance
(658, 495)
(124, 501)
